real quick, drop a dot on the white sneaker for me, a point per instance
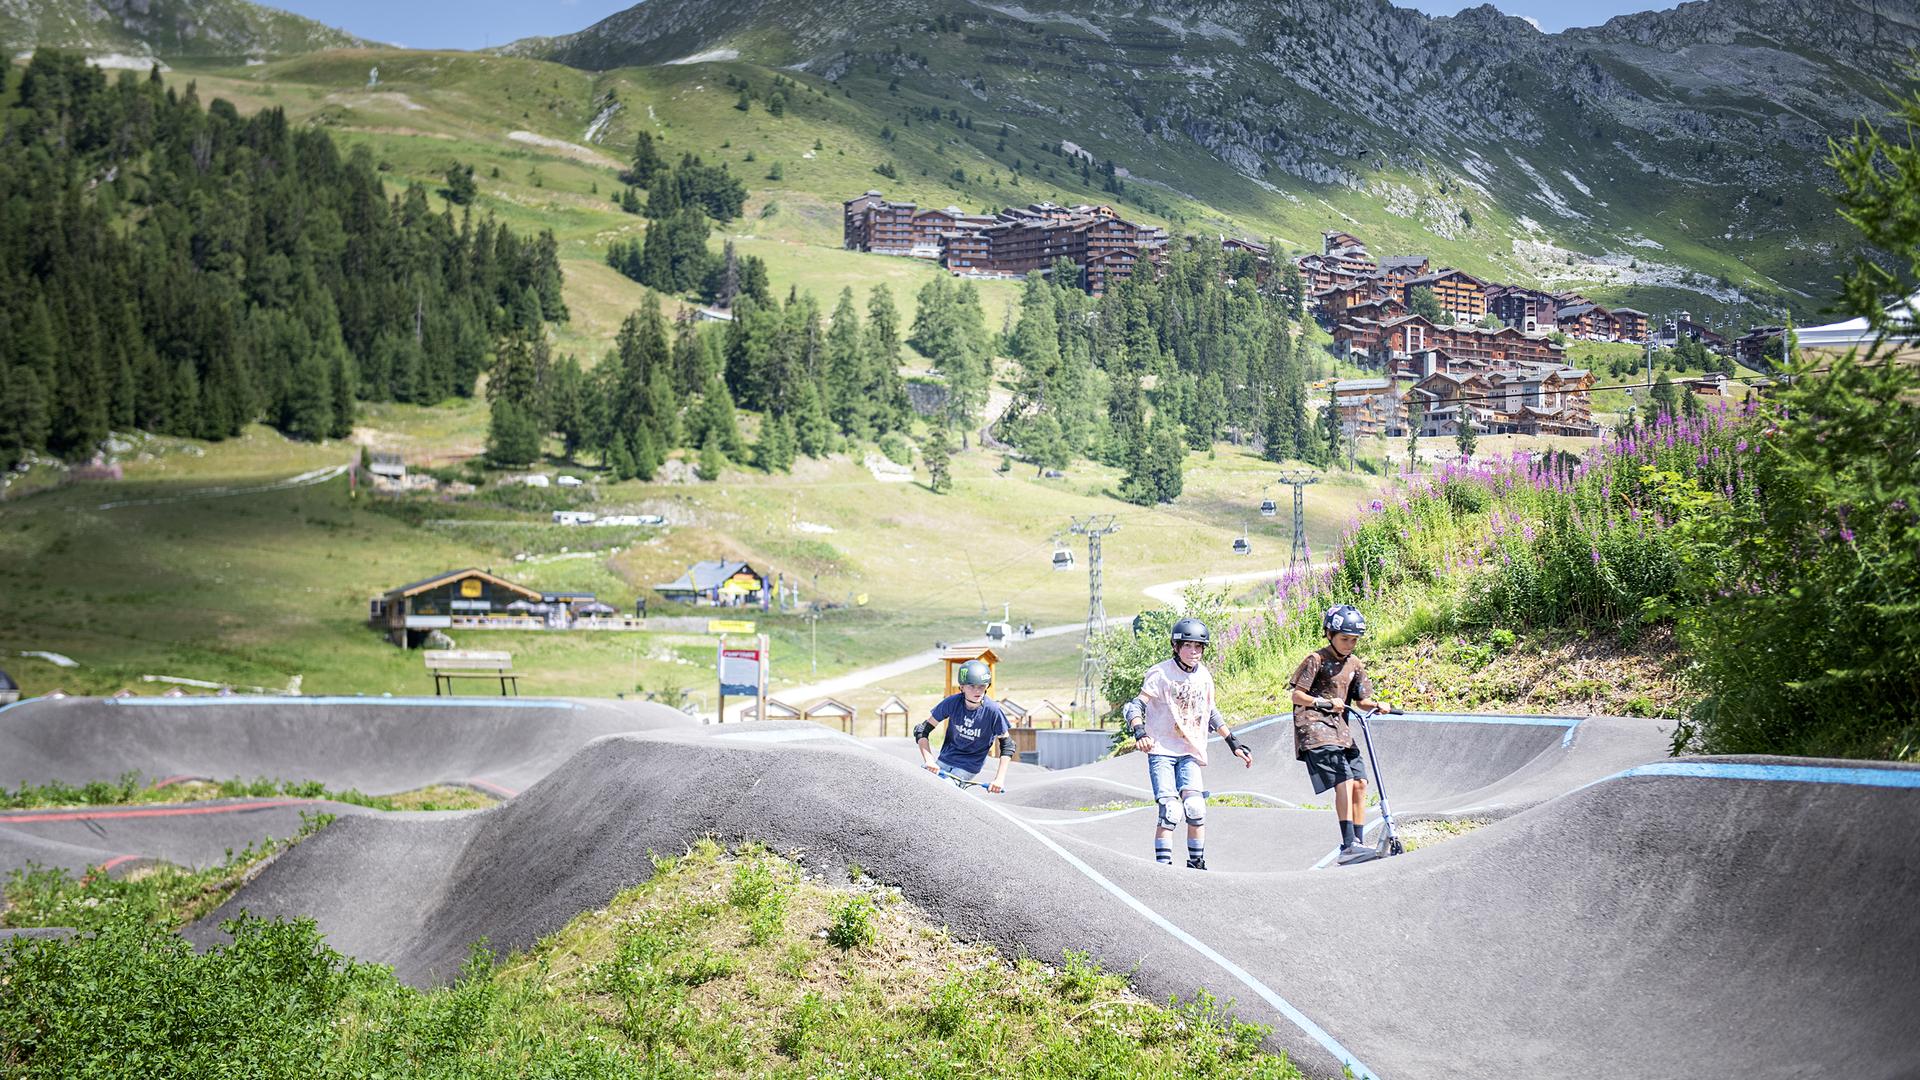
(1353, 853)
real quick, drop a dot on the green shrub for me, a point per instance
(1807, 639)
(852, 925)
(895, 448)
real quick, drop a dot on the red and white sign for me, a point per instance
(740, 672)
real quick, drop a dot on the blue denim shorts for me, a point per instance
(1172, 774)
(960, 778)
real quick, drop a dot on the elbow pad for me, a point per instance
(1007, 749)
(922, 729)
(1216, 722)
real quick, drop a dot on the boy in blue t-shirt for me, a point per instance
(973, 722)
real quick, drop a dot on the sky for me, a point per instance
(476, 24)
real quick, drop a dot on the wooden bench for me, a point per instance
(446, 665)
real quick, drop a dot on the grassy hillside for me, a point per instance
(258, 589)
(167, 29)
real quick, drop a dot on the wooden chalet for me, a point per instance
(1629, 324)
(1378, 308)
(1752, 346)
(1584, 321)
(1369, 406)
(1333, 241)
(1460, 294)
(872, 223)
(1397, 270)
(1527, 310)
(406, 615)
(967, 248)
(718, 582)
(1411, 334)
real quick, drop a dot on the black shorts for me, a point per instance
(1332, 765)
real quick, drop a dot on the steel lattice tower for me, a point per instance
(1299, 482)
(1093, 664)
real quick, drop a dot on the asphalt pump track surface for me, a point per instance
(1624, 914)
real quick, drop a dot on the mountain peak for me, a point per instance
(164, 28)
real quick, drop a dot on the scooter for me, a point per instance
(1389, 842)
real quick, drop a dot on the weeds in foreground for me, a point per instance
(667, 981)
(131, 788)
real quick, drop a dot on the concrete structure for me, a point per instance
(1617, 899)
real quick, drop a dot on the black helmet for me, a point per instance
(1191, 630)
(1344, 619)
(974, 673)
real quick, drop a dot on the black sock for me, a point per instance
(1346, 833)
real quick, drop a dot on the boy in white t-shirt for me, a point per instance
(1170, 719)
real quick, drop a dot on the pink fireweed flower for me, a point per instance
(1595, 553)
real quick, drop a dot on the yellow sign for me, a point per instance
(861, 600)
(470, 588)
(729, 626)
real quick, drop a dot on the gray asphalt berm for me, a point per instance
(1646, 926)
(1694, 918)
(375, 745)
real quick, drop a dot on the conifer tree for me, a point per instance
(936, 451)
(513, 438)
(712, 461)
(775, 449)
(647, 162)
(887, 390)
(813, 429)
(568, 406)
(847, 382)
(1466, 437)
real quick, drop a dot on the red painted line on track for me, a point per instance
(157, 811)
(507, 791)
(116, 861)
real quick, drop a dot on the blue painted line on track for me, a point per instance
(1795, 774)
(268, 699)
(17, 704)
(1266, 993)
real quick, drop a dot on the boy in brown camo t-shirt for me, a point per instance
(1322, 686)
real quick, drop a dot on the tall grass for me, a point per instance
(1597, 543)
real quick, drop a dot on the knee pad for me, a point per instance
(1169, 812)
(1196, 807)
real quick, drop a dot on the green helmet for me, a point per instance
(974, 673)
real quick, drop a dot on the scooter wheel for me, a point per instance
(1395, 847)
